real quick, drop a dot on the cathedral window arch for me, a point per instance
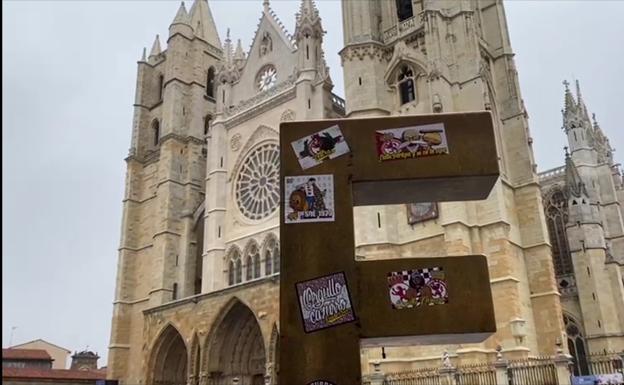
(248, 268)
(271, 256)
(406, 84)
(556, 209)
(210, 82)
(268, 263)
(276, 258)
(576, 346)
(161, 86)
(235, 268)
(155, 132)
(404, 9)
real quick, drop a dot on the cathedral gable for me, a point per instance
(270, 60)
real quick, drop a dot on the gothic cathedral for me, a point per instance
(198, 272)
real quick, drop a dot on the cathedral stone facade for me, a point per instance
(583, 203)
(198, 276)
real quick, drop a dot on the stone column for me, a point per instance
(562, 365)
(377, 377)
(500, 366)
(448, 373)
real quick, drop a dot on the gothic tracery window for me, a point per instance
(576, 346)
(257, 183)
(268, 263)
(235, 269)
(210, 82)
(256, 262)
(556, 207)
(405, 83)
(276, 258)
(249, 268)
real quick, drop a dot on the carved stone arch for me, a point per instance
(233, 265)
(288, 116)
(235, 346)
(262, 133)
(403, 56)
(168, 358)
(272, 365)
(266, 253)
(195, 367)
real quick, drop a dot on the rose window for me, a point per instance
(257, 183)
(266, 78)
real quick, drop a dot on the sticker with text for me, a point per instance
(309, 198)
(411, 142)
(325, 302)
(421, 287)
(314, 149)
(320, 382)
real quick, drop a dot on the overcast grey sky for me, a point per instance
(68, 84)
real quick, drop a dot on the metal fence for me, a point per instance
(477, 374)
(426, 376)
(605, 363)
(536, 371)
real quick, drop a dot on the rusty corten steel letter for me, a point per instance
(352, 303)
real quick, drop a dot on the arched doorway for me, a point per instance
(236, 349)
(169, 358)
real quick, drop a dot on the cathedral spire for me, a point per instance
(579, 101)
(203, 23)
(227, 48)
(182, 16)
(181, 23)
(570, 104)
(155, 47)
(308, 21)
(144, 55)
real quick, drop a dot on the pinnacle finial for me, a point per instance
(155, 47)
(228, 35)
(143, 56)
(566, 84)
(567, 154)
(266, 5)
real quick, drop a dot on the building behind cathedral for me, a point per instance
(198, 274)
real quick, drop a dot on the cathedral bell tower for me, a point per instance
(408, 57)
(160, 250)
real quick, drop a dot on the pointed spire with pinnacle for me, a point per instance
(575, 185)
(227, 48)
(579, 101)
(144, 55)
(182, 16)
(155, 47)
(308, 20)
(203, 23)
(181, 23)
(570, 104)
(239, 54)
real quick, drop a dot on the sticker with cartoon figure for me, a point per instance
(411, 142)
(421, 287)
(314, 149)
(309, 198)
(325, 302)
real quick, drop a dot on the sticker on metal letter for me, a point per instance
(422, 287)
(314, 149)
(325, 302)
(411, 142)
(309, 198)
